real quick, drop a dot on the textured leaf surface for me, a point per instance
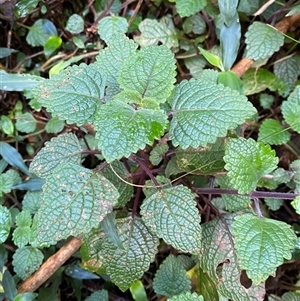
(272, 132)
(8, 180)
(5, 223)
(218, 260)
(26, 123)
(274, 204)
(291, 110)
(127, 265)
(194, 24)
(247, 161)
(171, 278)
(22, 233)
(58, 151)
(171, 214)
(187, 297)
(203, 111)
(74, 94)
(153, 32)
(74, 200)
(262, 245)
(262, 41)
(187, 8)
(202, 160)
(75, 24)
(157, 153)
(98, 296)
(111, 25)
(150, 73)
(55, 125)
(31, 201)
(26, 261)
(122, 130)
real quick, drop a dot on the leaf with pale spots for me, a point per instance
(74, 200)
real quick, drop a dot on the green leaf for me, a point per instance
(52, 44)
(274, 204)
(187, 8)
(171, 214)
(26, 261)
(187, 297)
(22, 233)
(157, 153)
(125, 190)
(18, 82)
(262, 41)
(262, 245)
(111, 58)
(149, 73)
(138, 291)
(171, 278)
(199, 117)
(195, 65)
(291, 110)
(203, 160)
(194, 24)
(40, 32)
(296, 204)
(5, 52)
(75, 24)
(31, 185)
(272, 132)
(74, 204)
(288, 70)
(126, 129)
(218, 260)
(26, 297)
(290, 296)
(74, 94)
(13, 157)
(247, 161)
(79, 42)
(212, 58)
(5, 223)
(231, 80)
(228, 11)
(26, 123)
(9, 286)
(98, 296)
(54, 125)
(8, 180)
(56, 152)
(108, 26)
(31, 201)
(266, 100)
(154, 32)
(23, 8)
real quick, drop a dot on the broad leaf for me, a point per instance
(218, 260)
(26, 261)
(262, 245)
(153, 32)
(187, 8)
(247, 161)
(122, 130)
(272, 132)
(187, 297)
(98, 296)
(172, 215)
(74, 204)
(171, 278)
(74, 94)
(5, 223)
(56, 152)
(204, 111)
(149, 73)
(262, 41)
(291, 110)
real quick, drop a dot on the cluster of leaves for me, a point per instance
(136, 145)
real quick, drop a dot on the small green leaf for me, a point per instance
(31, 201)
(187, 297)
(200, 117)
(6, 125)
(150, 73)
(187, 8)
(296, 204)
(262, 245)
(171, 214)
(78, 42)
(56, 152)
(74, 94)
(8, 180)
(274, 204)
(291, 110)
(231, 80)
(18, 82)
(266, 100)
(126, 129)
(9, 286)
(22, 233)
(26, 123)
(73, 205)
(195, 65)
(24, 7)
(5, 223)
(212, 58)
(40, 32)
(31, 185)
(75, 24)
(157, 153)
(272, 132)
(13, 157)
(54, 125)
(108, 26)
(194, 24)
(247, 161)
(171, 278)
(52, 44)
(26, 261)
(98, 296)
(5, 52)
(26, 297)
(154, 32)
(138, 291)
(262, 41)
